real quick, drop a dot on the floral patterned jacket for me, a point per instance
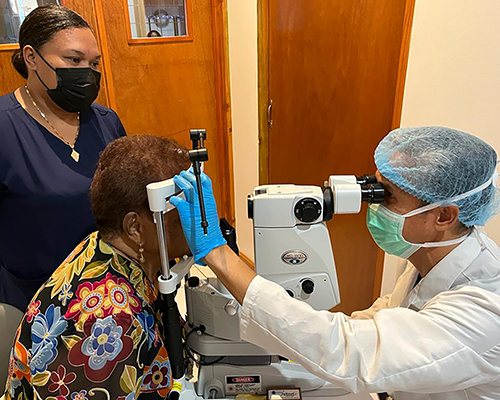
(91, 331)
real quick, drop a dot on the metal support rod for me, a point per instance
(173, 334)
(162, 244)
(171, 320)
(197, 174)
(197, 156)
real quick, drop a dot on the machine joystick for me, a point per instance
(231, 307)
(193, 281)
(307, 286)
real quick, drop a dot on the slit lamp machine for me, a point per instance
(292, 248)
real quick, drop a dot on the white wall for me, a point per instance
(453, 79)
(242, 16)
(453, 76)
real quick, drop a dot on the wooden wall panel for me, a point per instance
(10, 80)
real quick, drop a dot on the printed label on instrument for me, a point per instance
(243, 384)
(284, 394)
(294, 257)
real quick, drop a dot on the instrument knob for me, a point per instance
(308, 210)
(308, 286)
(231, 307)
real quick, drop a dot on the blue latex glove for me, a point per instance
(189, 212)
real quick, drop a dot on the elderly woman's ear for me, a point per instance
(133, 227)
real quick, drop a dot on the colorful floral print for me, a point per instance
(81, 395)
(74, 264)
(18, 369)
(65, 294)
(120, 297)
(157, 376)
(147, 322)
(109, 296)
(104, 346)
(93, 328)
(45, 331)
(60, 381)
(33, 310)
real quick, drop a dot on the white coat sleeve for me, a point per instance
(405, 279)
(434, 350)
(379, 304)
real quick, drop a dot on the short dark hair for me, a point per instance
(125, 167)
(40, 26)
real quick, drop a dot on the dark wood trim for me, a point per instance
(403, 63)
(263, 87)
(9, 46)
(396, 116)
(162, 40)
(106, 60)
(223, 107)
(247, 260)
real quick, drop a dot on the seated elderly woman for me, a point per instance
(92, 329)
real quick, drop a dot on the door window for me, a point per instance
(156, 19)
(12, 15)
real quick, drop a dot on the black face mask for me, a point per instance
(77, 88)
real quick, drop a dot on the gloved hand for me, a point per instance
(189, 212)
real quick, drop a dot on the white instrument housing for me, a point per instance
(346, 194)
(293, 253)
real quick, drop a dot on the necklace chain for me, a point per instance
(74, 154)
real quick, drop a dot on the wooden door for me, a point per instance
(163, 88)
(167, 88)
(335, 73)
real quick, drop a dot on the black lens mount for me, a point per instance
(373, 193)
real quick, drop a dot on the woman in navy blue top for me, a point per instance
(50, 139)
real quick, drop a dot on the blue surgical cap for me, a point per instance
(435, 164)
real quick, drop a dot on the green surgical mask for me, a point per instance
(386, 226)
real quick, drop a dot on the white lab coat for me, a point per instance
(439, 340)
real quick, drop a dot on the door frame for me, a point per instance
(263, 98)
(220, 28)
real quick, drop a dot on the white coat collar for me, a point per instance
(444, 274)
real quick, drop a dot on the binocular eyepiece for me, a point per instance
(371, 190)
(344, 194)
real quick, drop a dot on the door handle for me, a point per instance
(270, 114)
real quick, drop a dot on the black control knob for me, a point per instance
(250, 207)
(193, 281)
(307, 210)
(307, 286)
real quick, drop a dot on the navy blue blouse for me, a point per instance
(44, 194)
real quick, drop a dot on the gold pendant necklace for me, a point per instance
(74, 154)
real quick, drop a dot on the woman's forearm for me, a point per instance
(235, 275)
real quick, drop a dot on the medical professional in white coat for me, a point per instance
(437, 336)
